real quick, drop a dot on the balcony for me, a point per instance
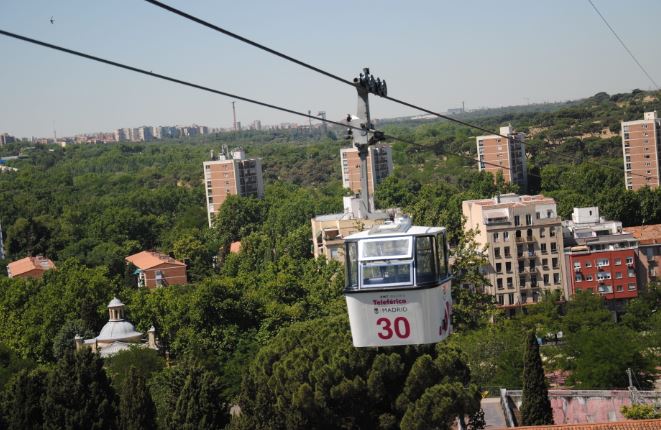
(496, 221)
(525, 239)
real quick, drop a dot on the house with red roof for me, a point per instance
(29, 267)
(155, 269)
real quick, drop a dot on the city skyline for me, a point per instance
(458, 52)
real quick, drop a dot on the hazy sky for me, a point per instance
(432, 53)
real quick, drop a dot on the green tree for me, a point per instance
(493, 353)
(596, 361)
(79, 394)
(136, 408)
(310, 376)
(535, 403)
(200, 403)
(641, 412)
(469, 260)
(63, 341)
(144, 362)
(21, 402)
(10, 364)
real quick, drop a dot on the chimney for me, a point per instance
(151, 335)
(78, 341)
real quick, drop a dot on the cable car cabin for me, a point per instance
(398, 285)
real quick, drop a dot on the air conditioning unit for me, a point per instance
(577, 269)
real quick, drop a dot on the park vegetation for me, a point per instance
(264, 332)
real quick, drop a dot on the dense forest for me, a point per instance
(264, 331)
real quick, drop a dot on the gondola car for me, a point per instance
(398, 285)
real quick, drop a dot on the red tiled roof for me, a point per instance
(148, 259)
(235, 247)
(646, 234)
(618, 425)
(27, 264)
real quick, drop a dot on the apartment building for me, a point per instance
(640, 148)
(231, 174)
(379, 166)
(600, 256)
(523, 235)
(648, 260)
(329, 231)
(508, 156)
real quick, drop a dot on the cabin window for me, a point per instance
(351, 265)
(377, 249)
(442, 255)
(386, 273)
(425, 270)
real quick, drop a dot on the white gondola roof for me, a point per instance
(392, 230)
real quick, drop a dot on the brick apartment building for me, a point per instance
(157, 270)
(640, 147)
(379, 166)
(525, 248)
(29, 267)
(649, 252)
(508, 156)
(231, 174)
(601, 257)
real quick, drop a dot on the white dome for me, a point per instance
(118, 331)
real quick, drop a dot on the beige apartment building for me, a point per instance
(640, 147)
(497, 154)
(329, 231)
(523, 235)
(379, 166)
(231, 174)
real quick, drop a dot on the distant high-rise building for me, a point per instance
(122, 134)
(6, 138)
(640, 146)
(145, 134)
(231, 174)
(379, 166)
(497, 154)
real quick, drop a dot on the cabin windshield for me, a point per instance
(378, 249)
(386, 273)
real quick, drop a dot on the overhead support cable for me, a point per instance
(227, 94)
(624, 45)
(170, 79)
(307, 65)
